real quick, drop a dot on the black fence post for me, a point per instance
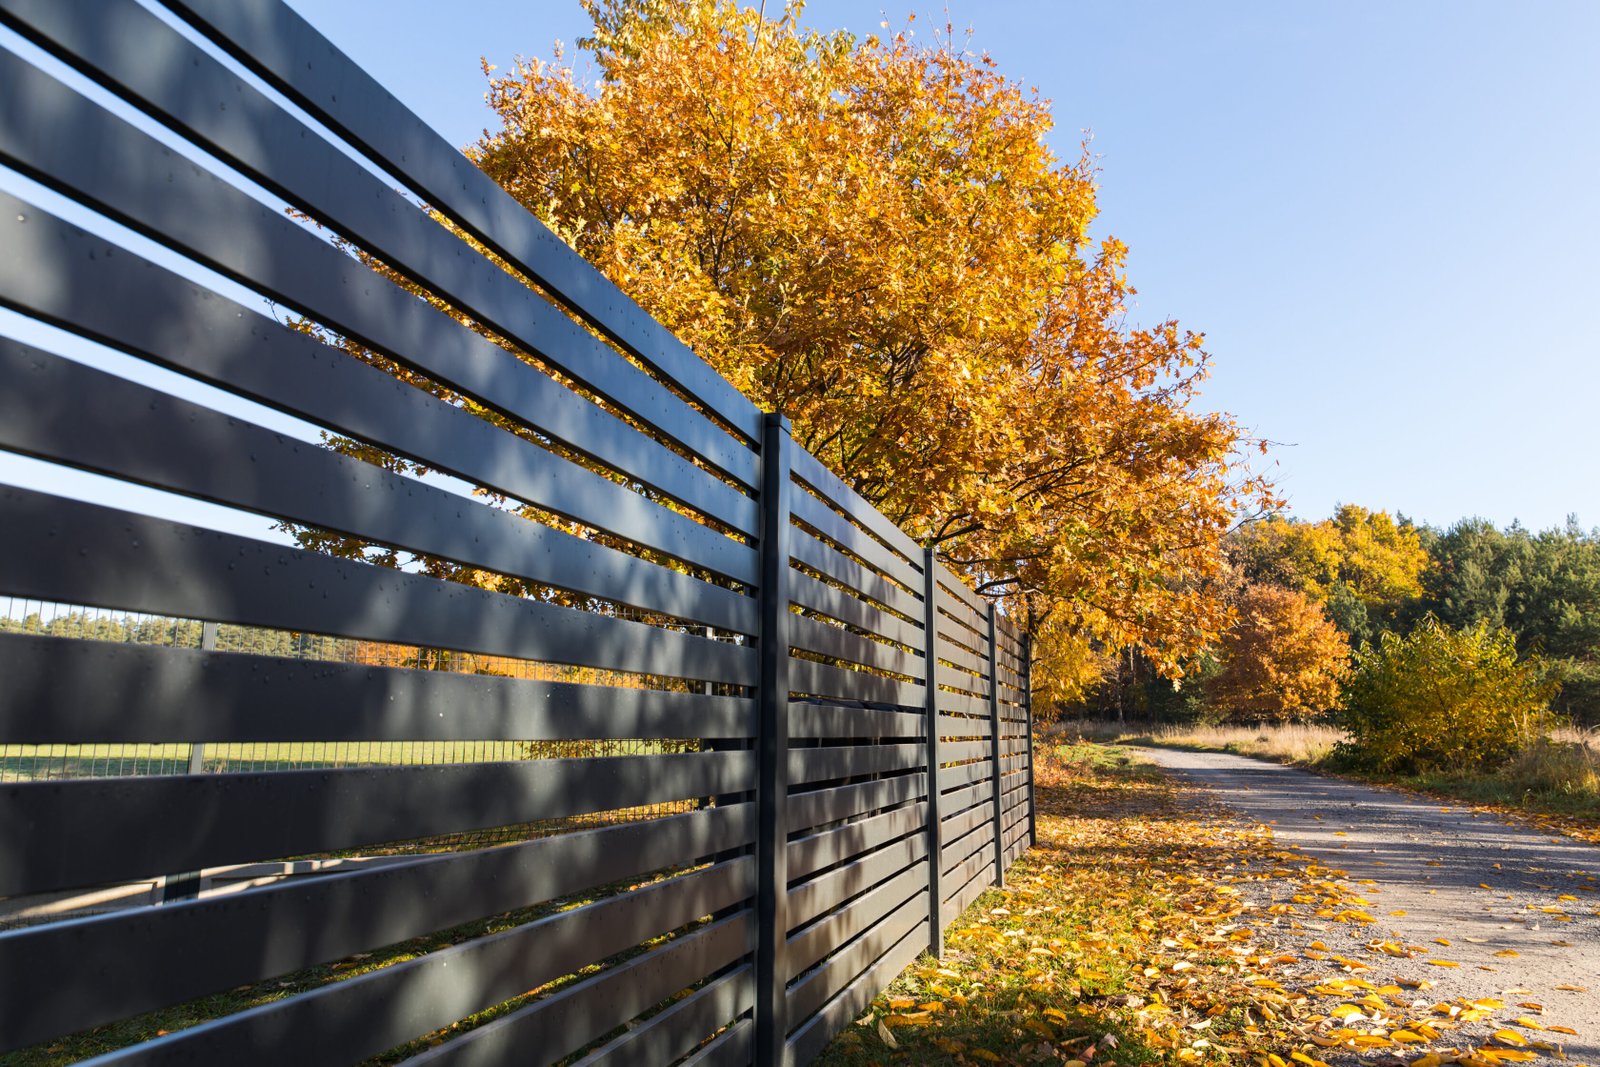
(1027, 703)
(930, 635)
(994, 753)
(772, 744)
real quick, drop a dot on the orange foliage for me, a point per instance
(1282, 659)
(873, 237)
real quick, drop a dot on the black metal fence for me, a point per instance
(589, 719)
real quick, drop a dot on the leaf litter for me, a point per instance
(1150, 926)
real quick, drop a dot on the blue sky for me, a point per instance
(1384, 217)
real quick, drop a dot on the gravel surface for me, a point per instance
(1468, 877)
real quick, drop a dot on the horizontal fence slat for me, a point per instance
(815, 941)
(95, 970)
(822, 806)
(862, 580)
(963, 703)
(67, 551)
(665, 1037)
(412, 998)
(734, 1047)
(564, 1022)
(953, 632)
(957, 821)
(821, 679)
(982, 866)
(814, 990)
(838, 643)
(959, 800)
(958, 853)
(963, 726)
(813, 472)
(820, 597)
(826, 720)
(953, 828)
(147, 62)
(973, 671)
(807, 855)
(155, 439)
(830, 524)
(954, 636)
(66, 691)
(814, 1033)
(168, 320)
(958, 589)
(60, 835)
(284, 49)
(825, 892)
(963, 774)
(847, 761)
(970, 878)
(134, 179)
(959, 751)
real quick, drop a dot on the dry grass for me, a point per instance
(1293, 743)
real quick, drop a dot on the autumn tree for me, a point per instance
(1364, 566)
(874, 237)
(1282, 659)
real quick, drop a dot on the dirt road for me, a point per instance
(1520, 909)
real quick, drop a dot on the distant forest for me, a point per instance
(1307, 595)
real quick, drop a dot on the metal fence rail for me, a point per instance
(590, 720)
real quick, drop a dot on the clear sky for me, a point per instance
(1385, 217)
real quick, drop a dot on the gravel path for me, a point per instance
(1482, 885)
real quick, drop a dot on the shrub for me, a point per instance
(1445, 699)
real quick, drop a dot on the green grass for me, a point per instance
(37, 762)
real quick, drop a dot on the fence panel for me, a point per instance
(558, 700)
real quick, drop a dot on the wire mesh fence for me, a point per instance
(56, 762)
